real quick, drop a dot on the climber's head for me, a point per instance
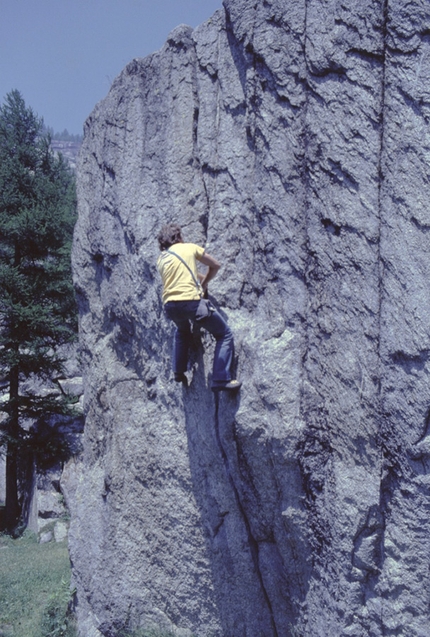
(169, 235)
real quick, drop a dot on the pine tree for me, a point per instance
(37, 308)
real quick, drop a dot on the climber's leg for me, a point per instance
(181, 344)
(181, 312)
(224, 348)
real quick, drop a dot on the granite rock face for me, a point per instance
(292, 140)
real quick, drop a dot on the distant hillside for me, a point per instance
(69, 150)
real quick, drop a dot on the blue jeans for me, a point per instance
(181, 313)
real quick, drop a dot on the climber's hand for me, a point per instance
(213, 267)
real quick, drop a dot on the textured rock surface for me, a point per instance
(292, 139)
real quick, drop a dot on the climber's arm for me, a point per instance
(213, 266)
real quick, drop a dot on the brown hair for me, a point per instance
(169, 235)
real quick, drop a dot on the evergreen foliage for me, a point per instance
(37, 306)
(65, 136)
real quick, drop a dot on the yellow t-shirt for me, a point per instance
(178, 284)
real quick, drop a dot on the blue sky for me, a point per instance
(62, 55)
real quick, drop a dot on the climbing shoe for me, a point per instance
(230, 385)
(181, 378)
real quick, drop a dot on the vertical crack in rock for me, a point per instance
(321, 446)
(253, 543)
(372, 536)
(204, 217)
(404, 344)
(315, 447)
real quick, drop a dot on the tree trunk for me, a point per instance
(12, 508)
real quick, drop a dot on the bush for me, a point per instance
(57, 619)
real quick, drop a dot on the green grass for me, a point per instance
(34, 588)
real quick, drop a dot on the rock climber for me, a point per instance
(184, 289)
